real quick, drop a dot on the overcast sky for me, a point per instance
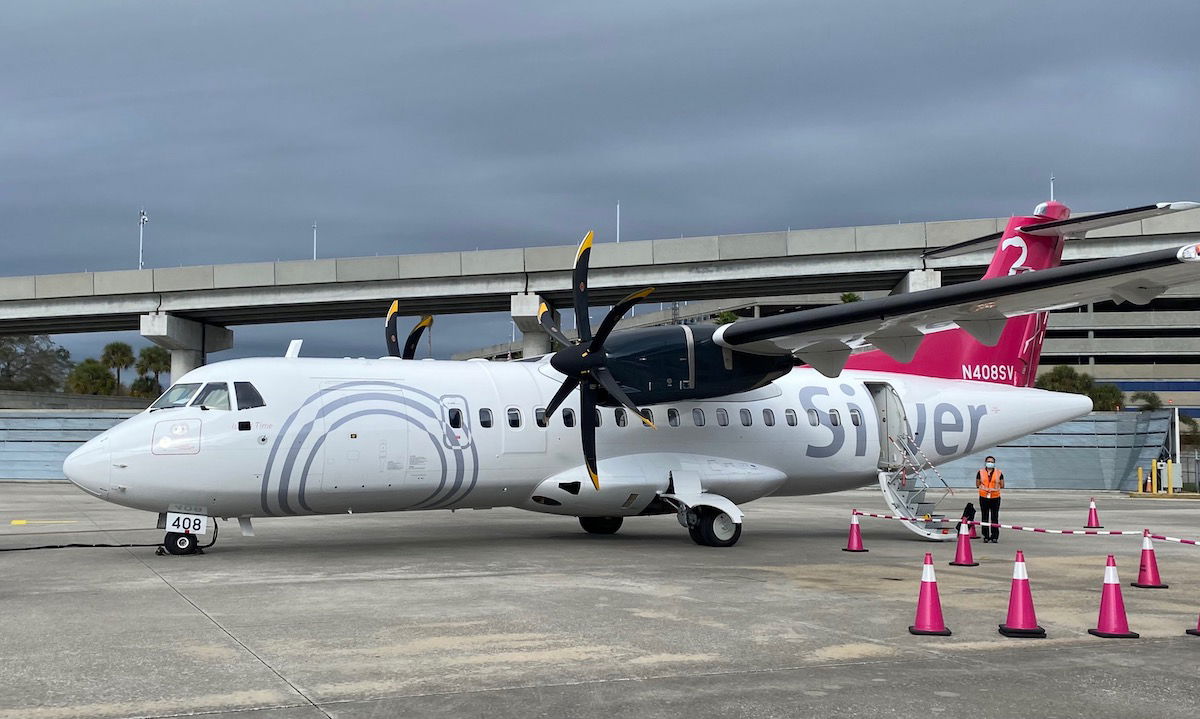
(407, 127)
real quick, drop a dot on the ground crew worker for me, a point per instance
(989, 481)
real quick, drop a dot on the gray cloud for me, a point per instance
(455, 125)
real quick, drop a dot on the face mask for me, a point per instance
(990, 465)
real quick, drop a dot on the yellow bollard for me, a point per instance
(1141, 485)
(1170, 477)
(1154, 477)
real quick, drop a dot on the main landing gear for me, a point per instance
(710, 527)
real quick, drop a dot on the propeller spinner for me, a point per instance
(584, 362)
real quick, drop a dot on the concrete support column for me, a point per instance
(534, 340)
(189, 341)
(917, 280)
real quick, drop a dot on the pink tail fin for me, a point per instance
(954, 354)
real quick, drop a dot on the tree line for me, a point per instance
(34, 363)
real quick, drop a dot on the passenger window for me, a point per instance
(673, 417)
(698, 417)
(247, 396)
(722, 417)
(813, 419)
(485, 417)
(790, 416)
(747, 417)
(215, 395)
(514, 418)
(649, 415)
(177, 396)
(834, 418)
(455, 416)
(856, 418)
(568, 418)
(622, 419)
(768, 418)
(539, 416)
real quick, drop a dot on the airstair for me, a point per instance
(906, 475)
(908, 492)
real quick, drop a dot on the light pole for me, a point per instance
(142, 220)
(314, 239)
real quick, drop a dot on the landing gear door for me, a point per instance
(894, 434)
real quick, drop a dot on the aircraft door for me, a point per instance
(894, 433)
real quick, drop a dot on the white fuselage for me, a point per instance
(338, 435)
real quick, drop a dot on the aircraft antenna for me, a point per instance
(618, 221)
(1052, 187)
(314, 239)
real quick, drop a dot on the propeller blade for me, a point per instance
(410, 345)
(587, 430)
(609, 383)
(546, 320)
(614, 316)
(579, 277)
(568, 386)
(389, 330)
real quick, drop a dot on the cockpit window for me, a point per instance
(215, 395)
(177, 396)
(247, 396)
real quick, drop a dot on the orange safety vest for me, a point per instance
(989, 483)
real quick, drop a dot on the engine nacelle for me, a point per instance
(681, 362)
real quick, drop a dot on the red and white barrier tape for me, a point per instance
(1039, 530)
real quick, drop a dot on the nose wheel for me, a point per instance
(179, 544)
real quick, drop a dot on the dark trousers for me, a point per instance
(991, 513)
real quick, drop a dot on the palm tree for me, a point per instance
(1150, 400)
(90, 377)
(117, 356)
(153, 360)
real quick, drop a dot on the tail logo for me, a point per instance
(1019, 243)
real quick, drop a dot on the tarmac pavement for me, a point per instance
(504, 613)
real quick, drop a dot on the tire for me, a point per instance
(180, 544)
(600, 525)
(697, 536)
(717, 528)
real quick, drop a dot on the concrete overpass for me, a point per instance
(189, 309)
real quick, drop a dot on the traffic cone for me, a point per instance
(974, 534)
(929, 606)
(1194, 632)
(962, 553)
(1022, 620)
(1112, 623)
(1093, 521)
(854, 541)
(1148, 568)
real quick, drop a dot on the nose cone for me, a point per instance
(88, 467)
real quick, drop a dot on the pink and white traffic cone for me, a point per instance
(974, 534)
(1093, 520)
(962, 553)
(1194, 632)
(1112, 623)
(929, 605)
(1022, 620)
(854, 541)
(1148, 568)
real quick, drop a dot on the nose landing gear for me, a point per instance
(179, 544)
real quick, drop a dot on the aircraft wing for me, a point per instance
(823, 337)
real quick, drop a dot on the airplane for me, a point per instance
(685, 420)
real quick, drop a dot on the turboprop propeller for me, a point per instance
(584, 361)
(414, 335)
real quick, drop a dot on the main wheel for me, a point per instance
(179, 544)
(715, 528)
(600, 525)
